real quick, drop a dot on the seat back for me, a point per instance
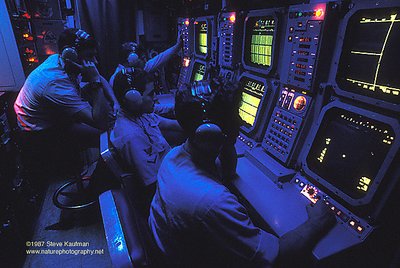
(127, 233)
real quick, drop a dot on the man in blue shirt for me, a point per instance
(134, 72)
(197, 222)
(137, 137)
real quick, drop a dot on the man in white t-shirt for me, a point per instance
(52, 111)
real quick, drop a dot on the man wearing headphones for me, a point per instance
(50, 108)
(138, 138)
(135, 72)
(196, 221)
(126, 49)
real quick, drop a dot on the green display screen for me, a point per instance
(259, 42)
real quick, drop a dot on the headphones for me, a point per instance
(70, 53)
(128, 73)
(208, 133)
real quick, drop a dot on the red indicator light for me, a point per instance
(187, 22)
(26, 16)
(196, 22)
(28, 51)
(232, 18)
(319, 12)
(27, 36)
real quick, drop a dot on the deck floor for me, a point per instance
(84, 226)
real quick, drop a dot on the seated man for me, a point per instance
(134, 72)
(50, 108)
(126, 49)
(197, 222)
(138, 139)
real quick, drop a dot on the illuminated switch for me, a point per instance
(352, 223)
(290, 38)
(301, 184)
(291, 30)
(296, 180)
(300, 24)
(360, 229)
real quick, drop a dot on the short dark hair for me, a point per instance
(126, 49)
(68, 38)
(125, 81)
(222, 109)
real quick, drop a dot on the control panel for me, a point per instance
(299, 65)
(354, 224)
(36, 27)
(302, 44)
(285, 123)
(229, 31)
(25, 40)
(185, 27)
(183, 75)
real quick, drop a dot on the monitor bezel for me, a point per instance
(259, 13)
(210, 24)
(338, 51)
(250, 130)
(192, 68)
(384, 167)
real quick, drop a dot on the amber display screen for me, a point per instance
(349, 150)
(370, 56)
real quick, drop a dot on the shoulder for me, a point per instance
(60, 86)
(125, 126)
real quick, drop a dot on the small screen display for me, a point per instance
(201, 38)
(259, 41)
(370, 57)
(198, 71)
(252, 93)
(349, 150)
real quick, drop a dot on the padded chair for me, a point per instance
(128, 236)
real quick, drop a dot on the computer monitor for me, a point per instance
(254, 91)
(368, 63)
(351, 151)
(203, 28)
(259, 41)
(198, 72)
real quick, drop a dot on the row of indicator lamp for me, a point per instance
(246, 141)
(313, 13)
(353, 223)
(231, 18)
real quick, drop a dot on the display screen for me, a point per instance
(201, 37)
(259, 41)
(370, 57)
(348, 151)
(198, 71)
(252, 93)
